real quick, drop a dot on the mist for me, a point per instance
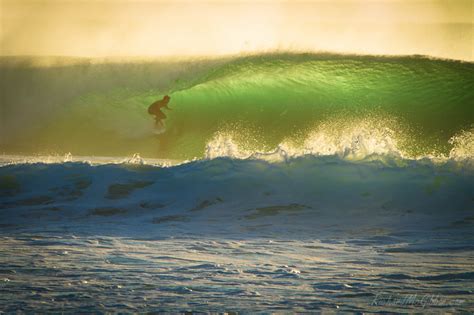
(183, 28)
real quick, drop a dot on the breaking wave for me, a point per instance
(291, 104)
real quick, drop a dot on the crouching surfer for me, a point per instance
(155, 109)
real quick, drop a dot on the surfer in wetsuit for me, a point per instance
(155, 109)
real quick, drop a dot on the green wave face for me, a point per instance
(262, 101)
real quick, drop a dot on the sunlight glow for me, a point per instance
(176, 28)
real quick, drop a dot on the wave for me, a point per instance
(358, 142)
(312, 194)
(320, 104)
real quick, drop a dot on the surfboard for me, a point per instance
(159, 130)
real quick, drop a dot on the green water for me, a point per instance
(262, 100)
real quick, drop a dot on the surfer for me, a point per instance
(155, 109)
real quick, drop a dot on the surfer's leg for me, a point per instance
(159, 123)
(160, 115)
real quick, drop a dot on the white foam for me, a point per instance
(353, 141)
(223, 145)
(463, 145)
(92, 160)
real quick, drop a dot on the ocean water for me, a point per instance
(283, 183)
(99, 108)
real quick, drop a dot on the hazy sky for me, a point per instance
(102, 28)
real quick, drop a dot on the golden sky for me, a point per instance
(101, 28)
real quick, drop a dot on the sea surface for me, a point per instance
(282, 183)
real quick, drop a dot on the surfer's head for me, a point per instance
(166, 98)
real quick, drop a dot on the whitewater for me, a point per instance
(282, 183)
